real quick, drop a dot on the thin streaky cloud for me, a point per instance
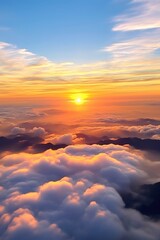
(138, 47)
(143, 15)
(21, 69)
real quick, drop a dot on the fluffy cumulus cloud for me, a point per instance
(73, 194)
(18, 130)
(36, 131)
(67, 139)
(63, 139)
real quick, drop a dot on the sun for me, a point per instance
(79, 100)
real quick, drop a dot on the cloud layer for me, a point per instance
(73, 194)
(21, 69)
(121, 131)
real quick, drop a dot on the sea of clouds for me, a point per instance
(74, 193)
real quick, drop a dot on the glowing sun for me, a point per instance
(79, 100)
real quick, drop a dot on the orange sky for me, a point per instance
(102, 86)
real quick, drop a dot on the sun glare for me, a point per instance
(79, 100)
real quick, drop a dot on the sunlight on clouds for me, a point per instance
(27, 76)
(70, 193)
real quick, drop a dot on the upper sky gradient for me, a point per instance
(101, 50)
(77, 31)
(61, 30)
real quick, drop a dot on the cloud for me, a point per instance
(130, 122)
(21, 64)
(67, 139)
(141, 136)
(18, 130)
(103, 131)
(24, 225)
(36, 131)
(73, 193)
(20, 69)
(23, 57)
(63, 139)
(143, 15)
(121, 131)
(156, 136)
(139, 47)
(21, 113)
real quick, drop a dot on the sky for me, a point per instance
(79, 119)
(62, 31)
(107, 51)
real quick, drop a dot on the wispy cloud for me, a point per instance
(138, 47)
(21, 62)
(20, 69)
(142, 15)
(136, 55)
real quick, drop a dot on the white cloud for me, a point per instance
(135, 48)
(67, 139)
(63, 139)
(143, 15)
(21, 66)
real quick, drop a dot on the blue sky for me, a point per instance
(61, 30)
